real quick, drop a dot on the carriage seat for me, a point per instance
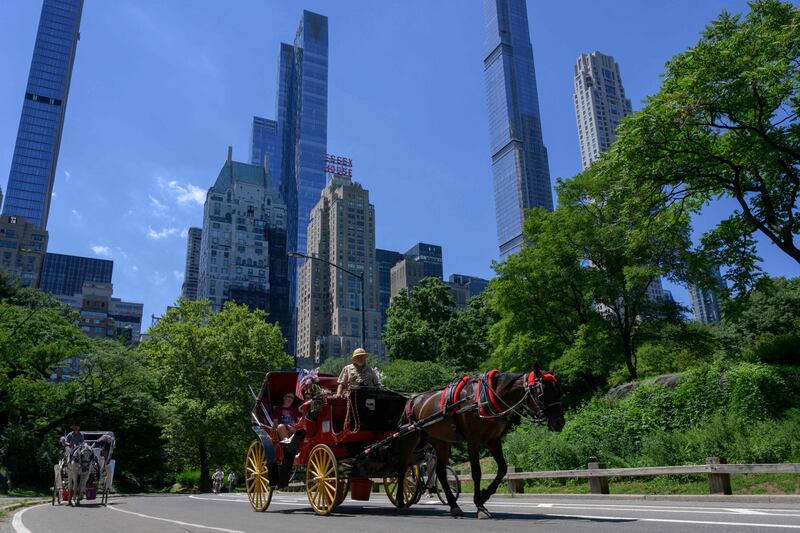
(376, 409)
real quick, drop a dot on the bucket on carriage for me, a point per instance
(91, 494)
(360, 489)
(65, 495)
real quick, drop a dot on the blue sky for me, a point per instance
(160, 89)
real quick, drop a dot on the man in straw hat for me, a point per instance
(357, 374)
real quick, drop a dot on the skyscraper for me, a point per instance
(302, 128)
(65, 274)
(706, 306)
(520, 169)
(192, 270)
(421, 261)
(264, 141)
(244, 226)
(329, 314)
(600, 104)
(385, 260)
(33, 166)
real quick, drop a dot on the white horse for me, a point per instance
(79, 468)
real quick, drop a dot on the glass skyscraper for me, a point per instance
(264, 141)
(65, 274)
(520, 169)
(303, 112)
(33, 166)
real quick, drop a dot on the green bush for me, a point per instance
(189, 479)
(743, 412)
(416, 376)
(757, 391)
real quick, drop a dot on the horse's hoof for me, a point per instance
(456, 512)
(483, 514)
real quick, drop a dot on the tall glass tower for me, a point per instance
(302, 109)
(264, 141)
(519, 158)
(33, 166)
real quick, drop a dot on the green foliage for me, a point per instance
(413, 321)
(764, 325)
(724, 124)
(584, 272)
(416, 376)
(422, 326)
(201, 361)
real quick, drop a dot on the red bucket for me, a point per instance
(360, 489)
(65, 494)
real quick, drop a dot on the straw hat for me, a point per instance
(359, 352)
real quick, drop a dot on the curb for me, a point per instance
(17, 505)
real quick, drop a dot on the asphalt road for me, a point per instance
(290, 512)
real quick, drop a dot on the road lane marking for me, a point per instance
(674, 521)
(16, 522)
(189, 524)
(653, 508)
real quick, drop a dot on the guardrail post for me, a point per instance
(515, 486)
(598, 485)
(718, 483)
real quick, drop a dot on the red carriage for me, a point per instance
(341, 445)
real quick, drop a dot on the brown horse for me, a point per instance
(479, 418)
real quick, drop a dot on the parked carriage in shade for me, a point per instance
(345, 443)
(98, 470)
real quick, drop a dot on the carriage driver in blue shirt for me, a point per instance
(73, 439)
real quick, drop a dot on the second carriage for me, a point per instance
(346, 443)
(99, 470)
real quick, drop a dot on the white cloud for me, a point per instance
(68, 175)
(102, 251)
(186, 194)
(135, 268)
(76, 214)
(178, 275)
(53, 194)
(160, 234)
(158, 205)
(158, 278)
(184, 233)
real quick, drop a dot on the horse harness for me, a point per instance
(491, 405)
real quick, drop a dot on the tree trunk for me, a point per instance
(627, 351)
(205, 477)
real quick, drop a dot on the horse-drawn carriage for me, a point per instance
(85, 470)
(341, 446)
(343, 443)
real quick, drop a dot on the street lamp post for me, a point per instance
(360, 277)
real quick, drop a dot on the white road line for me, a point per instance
(189, 524)
(16, 522)
(652, 508)
(672, 521)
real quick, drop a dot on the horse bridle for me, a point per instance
(535, 390)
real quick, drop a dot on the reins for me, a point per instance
(533, 390)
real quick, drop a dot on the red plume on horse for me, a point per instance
(477, 411)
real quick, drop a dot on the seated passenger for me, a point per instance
(286, 416)
(357, 374)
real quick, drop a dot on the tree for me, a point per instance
(464, 339)
(587, 264)
(203, 362)
(416, 376)
(726, 123)
(414, 320)
(766, 323)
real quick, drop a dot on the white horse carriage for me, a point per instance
(85, 470)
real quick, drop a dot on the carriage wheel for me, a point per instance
(455, 486)
(256, 477)
(411, 487)
(322, 480)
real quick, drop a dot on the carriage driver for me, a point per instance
(73, 439)
(357, 374)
